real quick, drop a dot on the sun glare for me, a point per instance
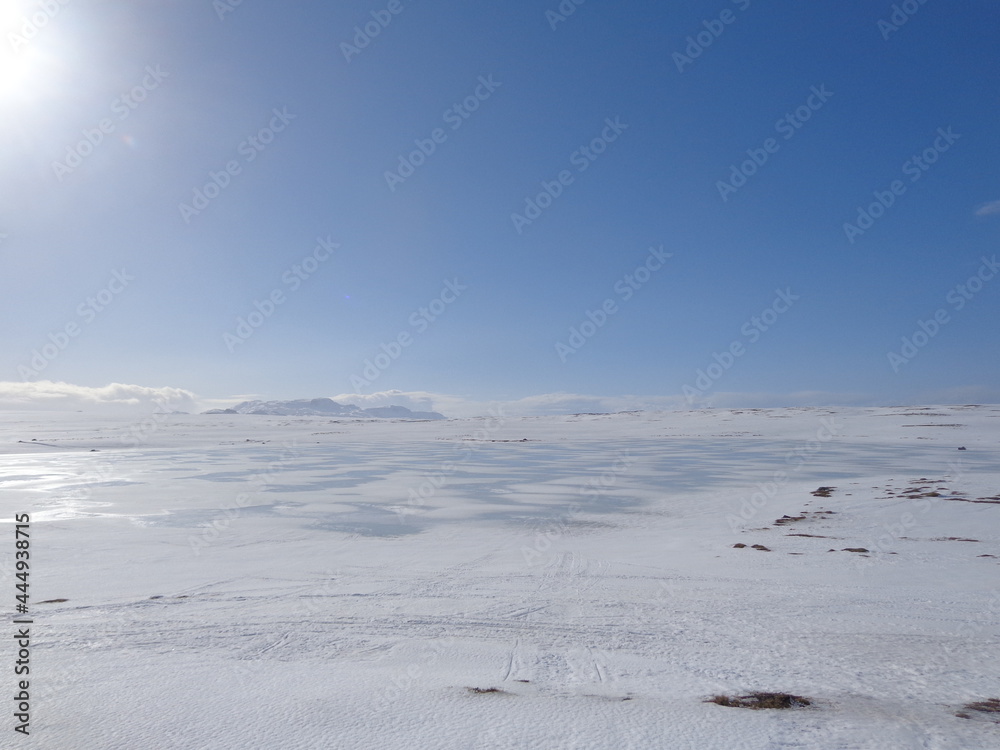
(20, 75)
(26, 60)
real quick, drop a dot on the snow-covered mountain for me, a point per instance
(324, 407)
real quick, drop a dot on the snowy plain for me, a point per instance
(548, 582)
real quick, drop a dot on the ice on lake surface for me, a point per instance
(337, 584)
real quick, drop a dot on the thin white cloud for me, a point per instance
(988, 209)
(47, 395)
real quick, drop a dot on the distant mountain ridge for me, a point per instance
(324, 407)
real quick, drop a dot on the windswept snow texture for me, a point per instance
(240, 581)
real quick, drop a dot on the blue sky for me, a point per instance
(115, 114)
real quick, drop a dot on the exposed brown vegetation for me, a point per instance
(757, 701)
(989, 706)
(784, 520)
(952, 539)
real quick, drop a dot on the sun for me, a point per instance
(26, 60)
(18, 74)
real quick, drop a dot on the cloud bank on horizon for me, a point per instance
(120, 398)
(113, 398)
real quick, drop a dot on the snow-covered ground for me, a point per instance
(284, 582)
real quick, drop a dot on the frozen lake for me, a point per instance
(241, 581)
